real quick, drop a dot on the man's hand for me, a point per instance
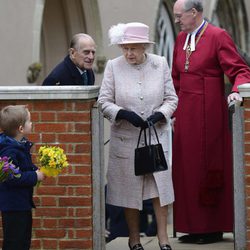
(234, 97)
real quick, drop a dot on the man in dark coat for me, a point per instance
(76, 68)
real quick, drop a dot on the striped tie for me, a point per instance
(85, 77)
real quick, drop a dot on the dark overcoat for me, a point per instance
(17, 194)
(66, 73)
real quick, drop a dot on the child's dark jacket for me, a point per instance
(16, 194)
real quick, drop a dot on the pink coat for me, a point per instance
(144, 89)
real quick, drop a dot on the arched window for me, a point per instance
(231, 15)
(61, 20)
(165, 35)
(165, 38)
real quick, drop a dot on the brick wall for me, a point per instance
(247, 164)
(245, 93)
(63, 217)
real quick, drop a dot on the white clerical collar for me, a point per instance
(193, 34)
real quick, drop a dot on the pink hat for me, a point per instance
(129, 33)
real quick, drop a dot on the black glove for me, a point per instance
(157, 116)
(131, 117)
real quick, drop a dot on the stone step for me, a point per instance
(151, 243)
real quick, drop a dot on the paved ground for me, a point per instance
(151, 243)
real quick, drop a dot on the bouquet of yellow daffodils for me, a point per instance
(52, 160)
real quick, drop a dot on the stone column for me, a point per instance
(242, 200)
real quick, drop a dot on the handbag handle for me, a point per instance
(150, 124)
(145, 137)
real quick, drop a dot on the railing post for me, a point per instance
(98, 179)
(244, 91)
(238, 176)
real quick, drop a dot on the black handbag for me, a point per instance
(150, 158)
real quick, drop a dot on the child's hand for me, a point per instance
(40, 175)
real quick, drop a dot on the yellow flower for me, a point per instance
(52, 160)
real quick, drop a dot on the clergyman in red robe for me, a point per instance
(202, 150)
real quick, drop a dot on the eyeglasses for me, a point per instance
(177, 17)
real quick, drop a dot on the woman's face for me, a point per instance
(134, 53)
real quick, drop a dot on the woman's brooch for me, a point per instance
(154, 65)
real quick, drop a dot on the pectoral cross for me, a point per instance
(186, 65)
(188, 49)
(188, 54)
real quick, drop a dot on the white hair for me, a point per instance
(197, 4)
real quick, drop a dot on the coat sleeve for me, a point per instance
(53, 77)
(231, 62)
(170, 99)
(26, 179)
(106, 99)
(50, 81)
(58, 75)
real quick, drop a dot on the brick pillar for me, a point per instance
(61, 115)
(245, 92)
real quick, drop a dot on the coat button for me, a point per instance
(141, 97)
(140, 82)
(142, 113)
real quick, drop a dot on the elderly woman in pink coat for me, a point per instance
(137, 87)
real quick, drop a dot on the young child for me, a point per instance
(16, 193)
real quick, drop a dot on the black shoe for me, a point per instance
(210, 238)
(190, 238)
(136, 247)
(165, 247)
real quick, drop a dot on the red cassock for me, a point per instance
(202, 150)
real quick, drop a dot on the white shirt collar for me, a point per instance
(81, 71)
(193, 34)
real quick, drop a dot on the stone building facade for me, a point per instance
(37, 33)
(39, 30)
